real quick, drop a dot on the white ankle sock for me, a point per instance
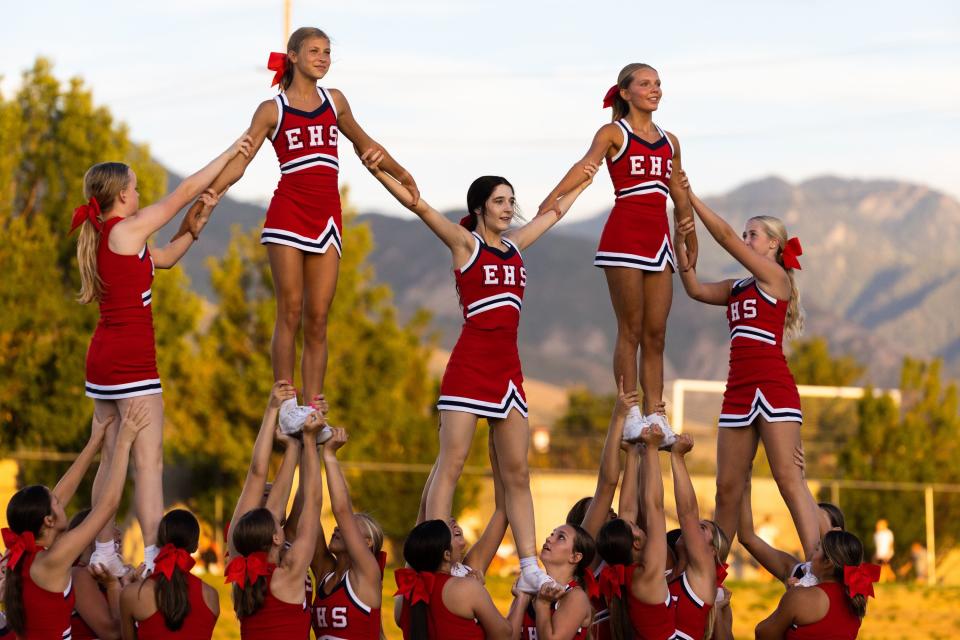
(149, 555)
(104, 548)
(529, 565)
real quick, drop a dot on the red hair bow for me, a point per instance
(791, 252)
(415, 586)
(170, 557)
(721, 572)
(277, 62)
(246, 569)
(382, 560)
(860, 579)
(89, 211)
(610, 95)
(590, 584)
(612, 579)
(19, 544)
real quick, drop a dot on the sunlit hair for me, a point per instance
(834, 514)
(296, 40)
(103, 182)
(372, 530)
(26, 511)
(253, 532)
(620, 106)
(721, 547)
(843, 549)
(774, 228)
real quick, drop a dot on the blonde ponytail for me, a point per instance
(774, 227)
(102, 182)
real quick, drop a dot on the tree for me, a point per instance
(917, 442)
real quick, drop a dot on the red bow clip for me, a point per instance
(18, 545)
(382, 560)
(89, 211)
(612, 579)
(415, 586)
(246, 569)
(721, 572)
(277, 62)
(860, 579)
(612, 93)
(791, 252)
(590, 584)
(170, 557)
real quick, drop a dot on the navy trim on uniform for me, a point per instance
(657, 263)
(760, 407)
(299, 162)
(476, 253)
(500, 253)
(330, 236)
(512, 400)
(308, 114)
(105, 392)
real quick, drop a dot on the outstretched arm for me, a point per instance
(654, 563)
(609, 136)
(482, 552)
(166, 257)
(283, 481)
(67, 485)
(455, 236)
(702, 565)
(778, 563)
(609, 474)
(717, 293)
(681, 201)
(629, 507)
(363, 143)
(528, 233)
(256, 480)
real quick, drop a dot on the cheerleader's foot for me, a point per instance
(633, 425)
(111, 562)
(292, 417)
(669, 437)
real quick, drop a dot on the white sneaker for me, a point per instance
(323, 435)
(669, 437)
(112, 562)
(292, 417)
(808, 579)
(633, 425)
(532, 581)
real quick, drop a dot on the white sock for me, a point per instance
(529, 565)
(150, 555)
(104, 548)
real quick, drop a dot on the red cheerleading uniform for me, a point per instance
(692, 613)
(122, 357)
(276, 619)
(305, 210)
(47, 613)
(198, 625)
(483, 375)
(840, 623)
(341, 615)
(441, 622)
(637, 234)
(600, 624)
(528, 629)
(759, 383)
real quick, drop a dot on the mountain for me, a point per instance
(879, 279)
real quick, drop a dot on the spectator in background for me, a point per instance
(883, 550)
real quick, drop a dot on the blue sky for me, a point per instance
(459, 89)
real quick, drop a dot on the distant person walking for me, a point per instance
(883, 550)
(635, 251)
(761, 401)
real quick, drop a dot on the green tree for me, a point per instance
(577, 437)
(916, 442)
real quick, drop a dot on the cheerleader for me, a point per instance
(632, 585)
(437, 605)
(38, 592)
(697, 571)
(172, 602)
(483, 377)
(634, 250)
(835, 607)
(268, 590)
(96, 610)
(116, 271)
(349, 569)
(304, 122)
(561, 610)
(761, 400)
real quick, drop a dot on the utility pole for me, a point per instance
(286, 22)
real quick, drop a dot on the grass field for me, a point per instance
(900, 612)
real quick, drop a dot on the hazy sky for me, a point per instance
(459, 89)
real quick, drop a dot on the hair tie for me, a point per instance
(415, 586)
(18, 544)
(467, 219)
(89, 211)
(721, 572)
(382, 561)
(171, 557)
(277, 62)
(859, 579)
(590, 584)
(791, 252)
(611, 94)
(612, 579)
(245, 570)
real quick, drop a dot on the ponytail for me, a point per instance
(249, 572)
(620, 626)
(296, 40)
(102, 183)
(425, 550)
(172, 599)
(178, 536)
(774, 227)
(845, 550)
(25, 514)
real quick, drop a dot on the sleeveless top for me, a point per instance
(47, 612)
(341, 615)
(276, 619)
(641, 170)
(840, 623)
(198, 625)
(491, 285)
